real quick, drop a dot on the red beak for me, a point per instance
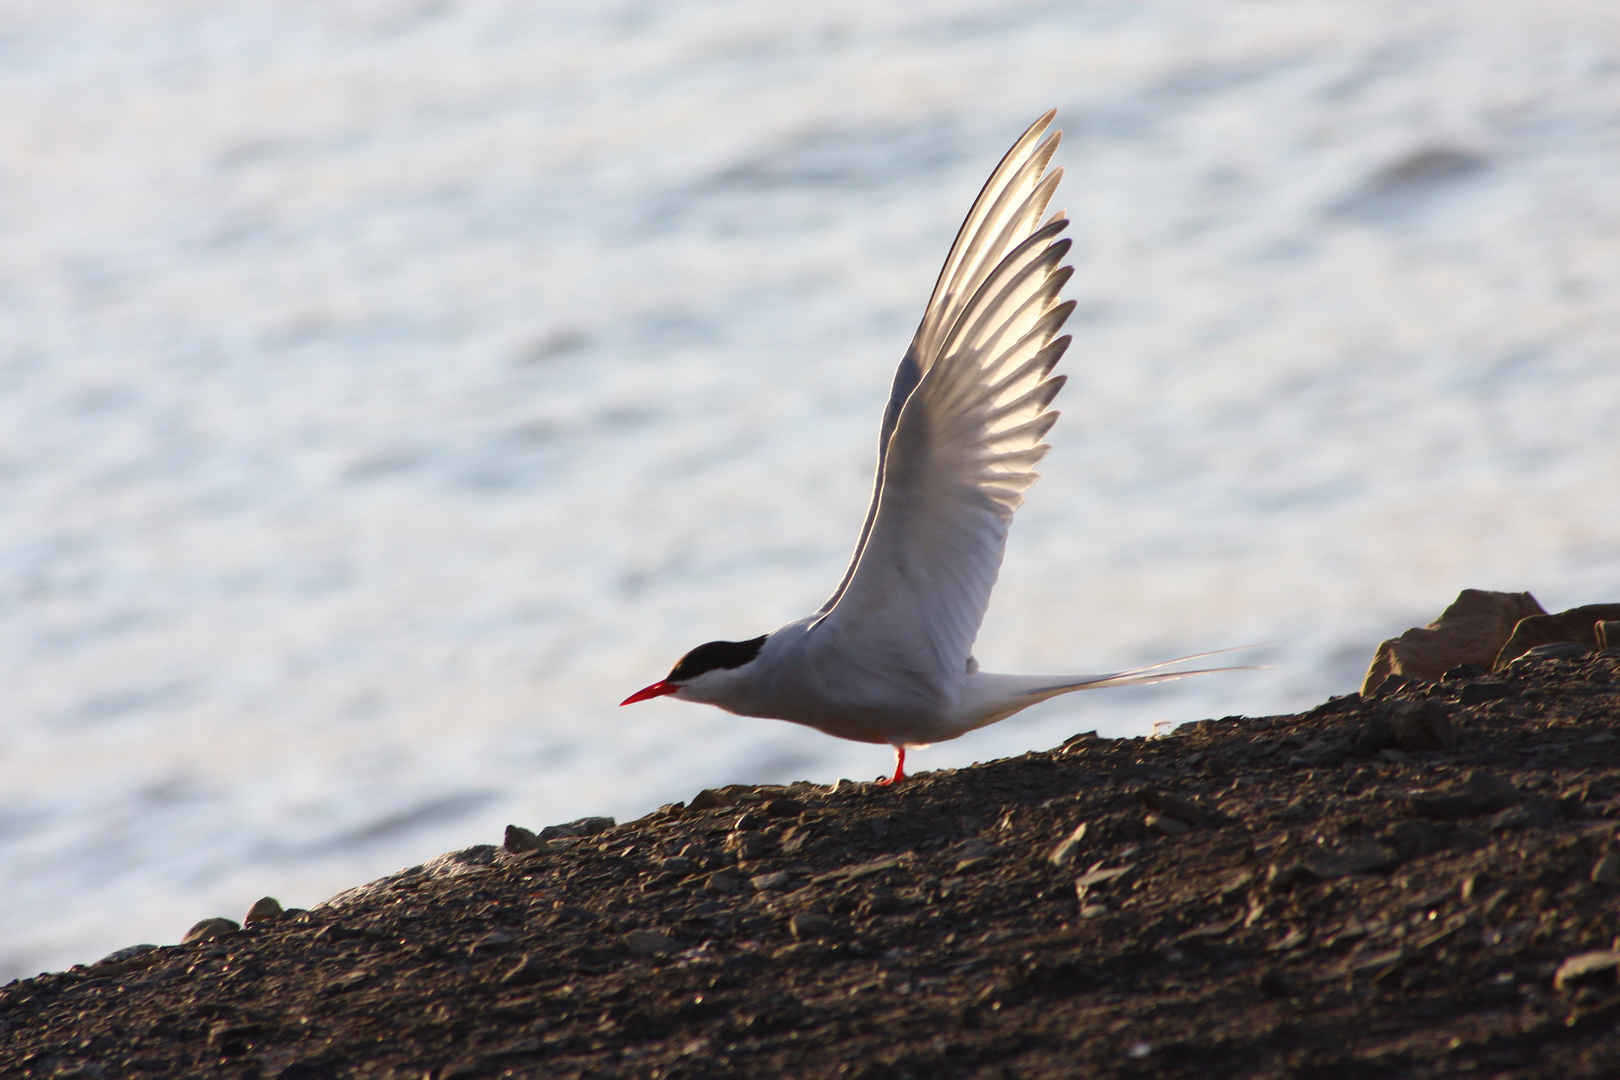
(657, 689)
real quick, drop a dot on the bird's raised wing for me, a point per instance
(961, 434)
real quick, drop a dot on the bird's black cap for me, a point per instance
(715, 654)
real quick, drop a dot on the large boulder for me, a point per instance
(1576, 624)
(1473, 630)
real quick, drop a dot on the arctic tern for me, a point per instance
(888, 658)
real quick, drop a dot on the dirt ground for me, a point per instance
(1379, 888)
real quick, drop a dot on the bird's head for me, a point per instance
(709, 673)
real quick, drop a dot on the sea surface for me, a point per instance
(387, 389)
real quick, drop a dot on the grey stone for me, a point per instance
(808, 924)
(1607, 869)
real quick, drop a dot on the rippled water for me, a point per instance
(388, 389)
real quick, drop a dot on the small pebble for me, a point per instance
(209, 929)
(266, 909)
(1065, 850)
(1607, 870)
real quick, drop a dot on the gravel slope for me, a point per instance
(1256, 897)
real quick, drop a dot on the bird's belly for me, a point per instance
(892, 716)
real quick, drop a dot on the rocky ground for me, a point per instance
(1420, 883)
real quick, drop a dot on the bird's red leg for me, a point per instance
(899, 766)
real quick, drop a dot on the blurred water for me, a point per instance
(388, 389)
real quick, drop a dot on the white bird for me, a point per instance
(888, 658)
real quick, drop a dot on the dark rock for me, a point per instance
(123, 961)
(1376, 734)
(1529, 814)
(724, 884)
(1607, 869)
(519, 839)
(209, 929)
(1389, 686)
(1480, 692)
(1465, 673)
(650, 942)
(749, 846)
(585, 826)
(1281, 877)
(708, 799)
(807, 924)
(784, 808)
(527, 970)
(1421, 725)
(1558, 650)
(1482, 794)
(1351, 859)
(1177, 807)
(1167, 825)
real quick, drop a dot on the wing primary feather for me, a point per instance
(972, 272)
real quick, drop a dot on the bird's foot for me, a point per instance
(899, 768)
